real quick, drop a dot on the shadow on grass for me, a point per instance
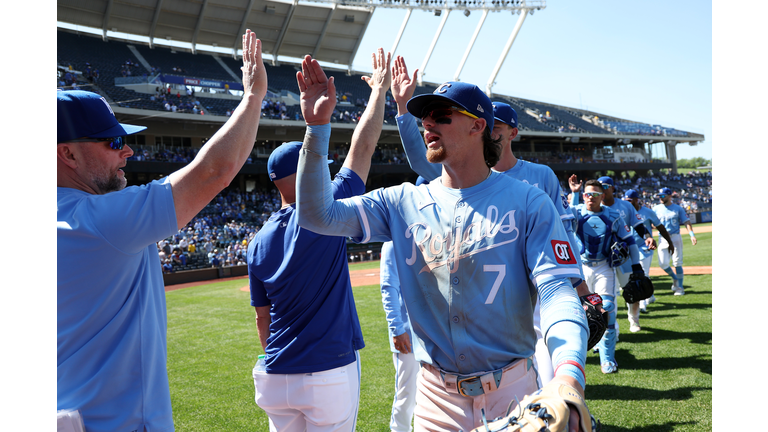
(650, 334)
(611, 392)
(666, 427)
(627, 361)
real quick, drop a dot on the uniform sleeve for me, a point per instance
(413, 144)
(390, 290)
(135, 217)
(653, 218)
(258, 292)
(316, 208)
(682, 215)
(623, 232)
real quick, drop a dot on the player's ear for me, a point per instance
(513, 134)
(478, 126)
(66, 155)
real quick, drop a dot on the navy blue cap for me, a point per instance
(82, 114)
(665, 191)
(465, 95)
(605, 180)
(505, 114)
(631, 194)
(284, 160)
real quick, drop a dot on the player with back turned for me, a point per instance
(301, 291)
(540, 176)
(471, 263)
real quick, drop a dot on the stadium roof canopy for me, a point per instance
(330, 32)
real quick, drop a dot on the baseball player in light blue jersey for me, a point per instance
(650, 220)
(471, 263)
(505, 128)
(631, 219)
(598, 228)
(300, 288)
(401, 342)
(671, 217)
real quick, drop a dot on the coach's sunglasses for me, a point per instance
(115, 143)
(442, 115)
(592, 194)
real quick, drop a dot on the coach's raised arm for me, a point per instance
(111, 317)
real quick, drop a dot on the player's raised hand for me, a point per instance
(403, 85)
(318, 93)
(254, 73)
(574, 183)
(381, 76)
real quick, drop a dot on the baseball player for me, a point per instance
(650, 220)
(598, 228)
(401, 342)
(671, 217)
(631, 219)
(471, 262)
(300, 288)
(111, 317)
(505, 128)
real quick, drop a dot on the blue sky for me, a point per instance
(648, 61)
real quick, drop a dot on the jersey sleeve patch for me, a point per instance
(563, 253)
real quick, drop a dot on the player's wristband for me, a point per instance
(573, 363)
(647, 236)
(690, 233)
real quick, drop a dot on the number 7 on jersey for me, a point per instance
(502, 270)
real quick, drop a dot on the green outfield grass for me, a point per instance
(664, 383)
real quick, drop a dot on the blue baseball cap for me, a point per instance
(82, 114)
(631, 194)
(467, 96)
(284, 160)
(665, 191)
(505, 114)
(605, 180)
(420, 181)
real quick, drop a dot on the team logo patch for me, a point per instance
(563, 254)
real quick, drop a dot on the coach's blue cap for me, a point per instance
(665, 191)
(505, 114)
(83, 114)
(605, 180)
(631, 194)
(420, 181)
(465, 95)
(284, 160)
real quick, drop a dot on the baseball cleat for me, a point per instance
(609, 367)
(634, 328)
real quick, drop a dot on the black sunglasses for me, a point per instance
(115, 143)
(442, 114)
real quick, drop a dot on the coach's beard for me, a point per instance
(436, 156)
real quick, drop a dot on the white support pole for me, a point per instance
(471, 44)
(432, 46)
(503, 56)
(402, 30)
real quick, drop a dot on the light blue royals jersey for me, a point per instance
(471, 261)
(627, 212)
(671, 216)
(650, 220)
(598, 229)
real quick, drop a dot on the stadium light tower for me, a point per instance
(443, 9)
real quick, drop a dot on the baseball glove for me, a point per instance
(546, 410)
(597, 321)
(638, 288)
